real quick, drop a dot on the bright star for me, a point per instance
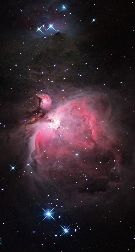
(48, 214)
(65, 230)
(93, 20)
(64, 7)
(12, 168)
(40, 29)
(51, 26)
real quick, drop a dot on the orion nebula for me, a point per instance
(76, 139)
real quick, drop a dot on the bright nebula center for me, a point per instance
(54, 124)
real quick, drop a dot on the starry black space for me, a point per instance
(67, 49)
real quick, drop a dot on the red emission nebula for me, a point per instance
(77, 137)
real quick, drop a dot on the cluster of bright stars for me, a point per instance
(49, 215)
(51, 27)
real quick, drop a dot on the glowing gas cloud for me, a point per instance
(76, 136)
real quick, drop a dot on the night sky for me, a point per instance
(67, 123)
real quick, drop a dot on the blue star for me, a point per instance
(65, 230)
(51, 26)
(64, 7)
(48, 214)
